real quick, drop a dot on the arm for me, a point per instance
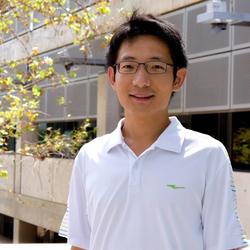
(76, 248)
(219, 206)
(78, 224)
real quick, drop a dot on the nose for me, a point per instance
(141, 77)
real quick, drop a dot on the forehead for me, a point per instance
(143, 48)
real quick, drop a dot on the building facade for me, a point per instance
(215, 100)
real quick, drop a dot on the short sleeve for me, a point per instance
(78, 225)
(221, 226)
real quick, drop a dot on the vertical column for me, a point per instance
(230, 134)
(22, 232)
(25, 137)
(108, 107)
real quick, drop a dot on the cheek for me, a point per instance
(164, 88)
(165, 95)
(121, 91)
(121, 85)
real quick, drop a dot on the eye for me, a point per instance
(127, 67)
(157, 67)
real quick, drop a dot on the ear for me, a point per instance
(111, 76)
(180, 78)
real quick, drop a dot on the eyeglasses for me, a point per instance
(131, 67)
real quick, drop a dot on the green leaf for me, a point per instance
(41, 74)
(104, 10)
(64, 80)
(3, 71)
(9, 81)
(36, 20)
(19, 76)
(61, 100)
(36, 90)
(73, 74)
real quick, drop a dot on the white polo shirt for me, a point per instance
(177, 195)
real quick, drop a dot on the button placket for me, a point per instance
(137, 168)
(135, 175)
(131, 163)
(135, 163)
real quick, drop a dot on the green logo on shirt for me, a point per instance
(173, 186)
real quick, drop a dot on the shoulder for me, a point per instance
(207, 152)
(91, 151)
(201, 139)
(98, 144)
(200, 142)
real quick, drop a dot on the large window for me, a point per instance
(211, 124)
(232, 129)
(241, 141)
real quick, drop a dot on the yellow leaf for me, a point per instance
(35, 51)
(48, 60)
(1, 121)
(4, 174)
(61, 100)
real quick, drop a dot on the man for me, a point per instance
(151, 184)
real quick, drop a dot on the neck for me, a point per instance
(141, 132)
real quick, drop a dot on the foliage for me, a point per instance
(80, 136)
(241, 146)
(3, 172)
(19, 104)
(56, 144)
(20, 80)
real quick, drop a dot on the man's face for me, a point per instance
(142, 93)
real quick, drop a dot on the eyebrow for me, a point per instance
(133, 58)
(128, 58)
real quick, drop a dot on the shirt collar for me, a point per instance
(116, 137)
(171, 139)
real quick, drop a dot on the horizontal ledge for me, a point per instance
(35, 211)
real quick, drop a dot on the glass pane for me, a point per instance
(241, 141)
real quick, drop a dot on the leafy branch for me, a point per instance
(56, 144)
(241, 146)
(21, 80)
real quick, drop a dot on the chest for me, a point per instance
(166, 180)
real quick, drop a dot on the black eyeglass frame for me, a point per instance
(117, 65)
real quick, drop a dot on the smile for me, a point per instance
(141, 98)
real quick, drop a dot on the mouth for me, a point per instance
(140, 97)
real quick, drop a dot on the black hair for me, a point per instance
(147, 24)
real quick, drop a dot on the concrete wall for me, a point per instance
(32, 210)
(35, 191)
(47, 179)
(8, 163)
